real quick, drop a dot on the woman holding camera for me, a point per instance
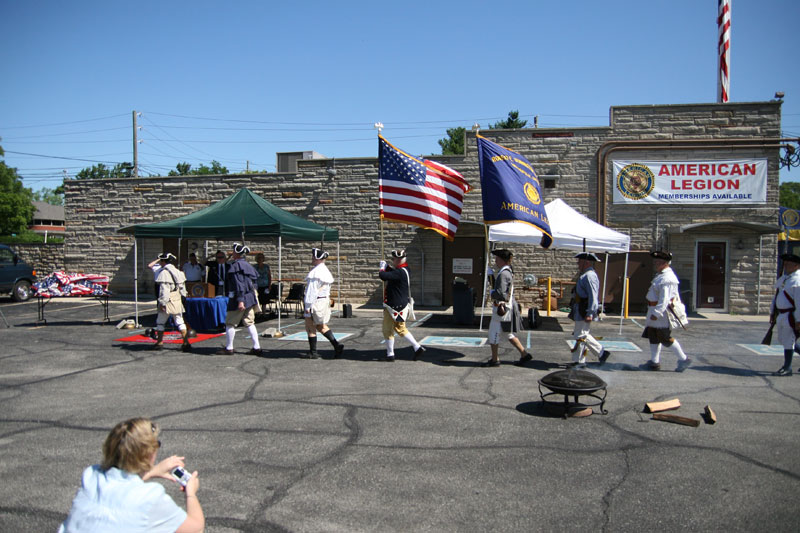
(116, 495)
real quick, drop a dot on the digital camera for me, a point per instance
(181, 475)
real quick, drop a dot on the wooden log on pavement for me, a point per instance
(657, 407)
(675, 419)
(710, 415)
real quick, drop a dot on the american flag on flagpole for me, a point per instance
(419, 192)
(724, 51)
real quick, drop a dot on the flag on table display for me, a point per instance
(420, 192)
(510, 189)
(724, 51)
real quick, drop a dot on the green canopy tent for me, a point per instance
(242, 215)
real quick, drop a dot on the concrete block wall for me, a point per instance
(348, 200)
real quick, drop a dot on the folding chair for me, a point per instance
(295, 299)
(273, 299)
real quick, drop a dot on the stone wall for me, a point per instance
(44, 258)
(347, 199)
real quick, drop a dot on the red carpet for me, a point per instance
(170, 337)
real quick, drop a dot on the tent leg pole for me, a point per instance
(624, 294)
(280, 283)
(135, 284)
(339, 275)
(605, 277)
(485, 277)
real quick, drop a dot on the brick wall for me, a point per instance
(348, 200)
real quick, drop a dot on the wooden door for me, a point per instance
(711, 275)
(465, 258)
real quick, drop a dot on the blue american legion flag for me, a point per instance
(510, 189)
(419, 192)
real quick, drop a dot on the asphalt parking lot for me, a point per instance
(442, 444)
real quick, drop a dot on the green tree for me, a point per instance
(511, 123)
(185, 169)
(790, 194)
(181, 169)
(51, 196)
(16, 209)
(453, 144)
(101, 171)
(215, 168)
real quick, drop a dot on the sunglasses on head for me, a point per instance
(153, 428)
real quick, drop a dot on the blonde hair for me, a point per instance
(130, 446)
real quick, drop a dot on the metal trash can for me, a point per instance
(463, 303)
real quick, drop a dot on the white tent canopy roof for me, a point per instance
(570, 230)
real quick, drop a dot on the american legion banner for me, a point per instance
(740, 181)
(510, 189)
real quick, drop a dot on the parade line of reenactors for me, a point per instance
(245, 286)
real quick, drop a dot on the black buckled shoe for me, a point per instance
(524, 359)
(783, 371)
(604, 356)
(418, 353)
(337, 352)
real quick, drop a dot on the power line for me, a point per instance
(60, 157)
(64, 123)
(62, 134)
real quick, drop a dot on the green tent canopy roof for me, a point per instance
(242, 213)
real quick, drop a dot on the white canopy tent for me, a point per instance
(570, 231)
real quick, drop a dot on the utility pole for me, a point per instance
(135, 147)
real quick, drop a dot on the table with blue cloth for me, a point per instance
(206, 314)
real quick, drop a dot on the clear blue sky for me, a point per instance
(238, 81)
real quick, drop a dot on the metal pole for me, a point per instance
(485, 277)
(605, 277)
(339, 275)
(135, 147)
(135, 283)
(758, 293)
(624, 294)
(280, 283)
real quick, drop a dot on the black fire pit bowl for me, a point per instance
(573, 383)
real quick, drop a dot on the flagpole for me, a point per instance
(485, 276)
(379, 126)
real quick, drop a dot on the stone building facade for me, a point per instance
(574, 164)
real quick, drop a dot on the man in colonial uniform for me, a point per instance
(584, 311)
(171, 289)
(317, 305)
(397, 303)
(242, 300)
(505, 316)
(784, 310)
(663, 289)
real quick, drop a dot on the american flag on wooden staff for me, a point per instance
(724, 51)
(419, 192)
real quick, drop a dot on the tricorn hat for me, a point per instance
(503, 254)
(660, 254)
(589, 256)
(241, 249)
(318, 253)
(794, 258)
(400, 252)
(166, 256)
